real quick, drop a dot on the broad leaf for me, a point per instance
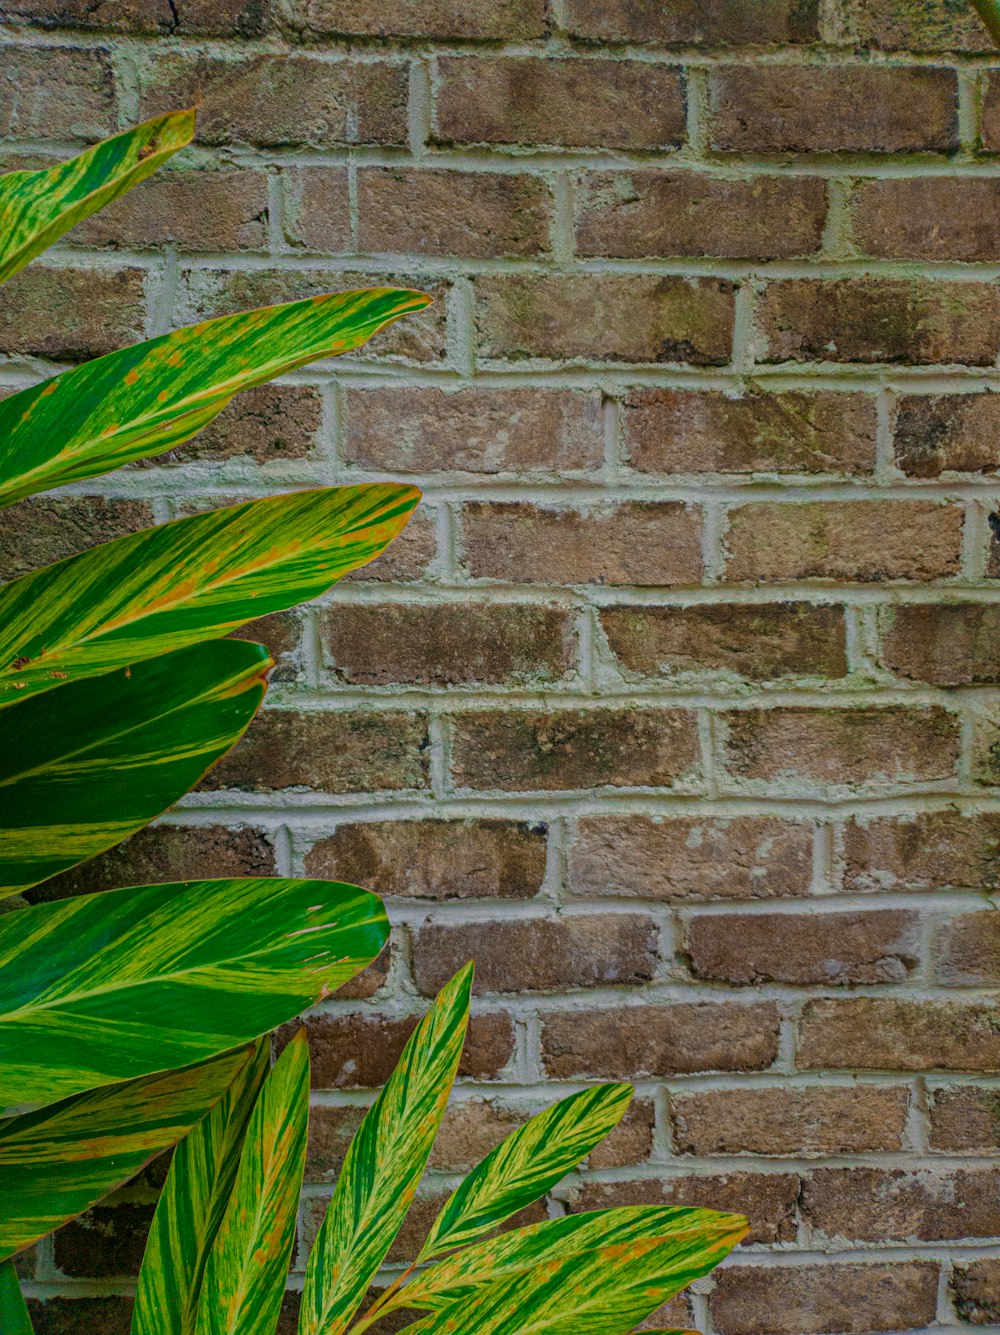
(86, 765)
(245, 1276)
(168, 587)
(526, 1164)
(37, 207)
(989, 12)
(56, 1162)
(87, 984)
(384, 1165)
(191, 1206)
(14, 1319)
(146, 399)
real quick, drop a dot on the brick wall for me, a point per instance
(676, 706)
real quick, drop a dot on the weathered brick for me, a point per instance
(528, 751)
(833, 108)
(986, 746)
(796, 1122)
(370, 981)
(964, 1117)
(914, 321)
(38, 531)
(877, 1205)
(834, 949)
(107, 1240)
(539, 954)
(317, 213)
(636, 542)
(447, 644)
(913, 25)
(753, 642)
(80, 1316)
(423, 430)
(882, 1033)
(646, 857)
(281, 635)
(209, 18)
(331, 1131)
(407, 558)
(436, 859)
(607, 317)
(768, 1200)
(677, 1039)
(72, 314)
(633, 215)
(694, 22)
(72, 93)
(933, 850)
(677, 1314)
(975, 1291)
(491, 20)
(269, 424)
(949, 645)
(868, 541)
(947, 433)
(524, 100)
(991, 115)
(928, 218)
(967, 950)
(683, 431)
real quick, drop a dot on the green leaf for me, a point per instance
(146, 399)
(989, 12)
(38, 207)
(14, 1319)
(525, 1165)
(168, 587)
(85, 766)
(384, 1165)
(245, 1276)
(86, 984)
(191, 1207)
(58, 1161)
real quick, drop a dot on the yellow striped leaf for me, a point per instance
(245, 1276)
(85, 766)
(56, 1162)
(113, 986)
(37, 207)
(149, 398)
(14, 1319)
(192, 580)
(525, 1165)
(191, 1207)
(384, 1165)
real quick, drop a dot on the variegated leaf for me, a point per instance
(37, 207)
(14, 1319)
(197, 578)
(86, 765)
(384, 1165)
(58, 1161)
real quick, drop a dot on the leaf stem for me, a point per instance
(385, 1302)
(989, 12)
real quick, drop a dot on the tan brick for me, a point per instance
(524, 100)
(677, 1314)
(964, 1118)
(628, 1144)
(798, 1122)
(268, 424)
(967, 950)
(72, 314)
(38, 531)
(610, 317)
(683, 431)
(331, 1131)
(914, 25)
(752, 642)
(986, 746)
(874, 1205)
(947, 433)
(436, 859)
(210, 18)
(636, 542)
(424, 430)
(407, 558)
(882, 1033)
(932, 850)
(768, 1200)
(317, 209)
(676, 1039)
(491, 20)
(694, 22)
(950, 645)
(868, 541)
(71, 93)
(749, 857)
(975, 1291)
(928, 218)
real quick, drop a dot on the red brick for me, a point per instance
(951, 645)
(991, 115)
(964, 1118)
(914, 25)
(947, 433)
(636, 542)
(491, 20)
(833, 108)
(967, 950)
(933, 850)
(975, 1290)
(407, 558)
(38, 531)
(676, 1039)
(928, 218)
(73, 93)
(72, 314)
(694, 22)
(591, 103)
(873, 1205)
(611, 317)
(882, 1033)
(80, 1316)
(684, 431)
(269, 424)
(684, 858)
(107, 1240)
(211, 18)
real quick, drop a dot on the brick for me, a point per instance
(539, 954)
(951, 645)
(80, 1316)
(991, 115)
(868, 541)
(281, 635)
(853, 1299)
(529, 751)
(73, 93)
(967, 950)
(833, 108)
(677, 1314)
(360, 1051)
(683, 431)
(274, 100)
(72, 314)
(927, 218)
(610, 317)
(208, 18)
(640, 214)
(38, 531)
(636, 542)
(975, 1291)
(439, 212)
(492, 20)
(331, 1131)
(875, 1205)
(317, 209)
(487, 431)
(964, 1118)
(694, 22)
(834, 949)
(369, 982)
(269, 424)
(408, 557)
(796, 1122)
(882, 1033)
(107, 1240)
(678, 1039)
(947, 433)
(335, 752)
(626, 104)
(750, 857)
(825, 748)
(750, 642)
(986, 746)
(932, 850)
(436, 859)
(915, 25)
(914, 321)
(447, 644)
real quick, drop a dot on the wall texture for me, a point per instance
(676, 707)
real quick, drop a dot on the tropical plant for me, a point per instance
(989, 12)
